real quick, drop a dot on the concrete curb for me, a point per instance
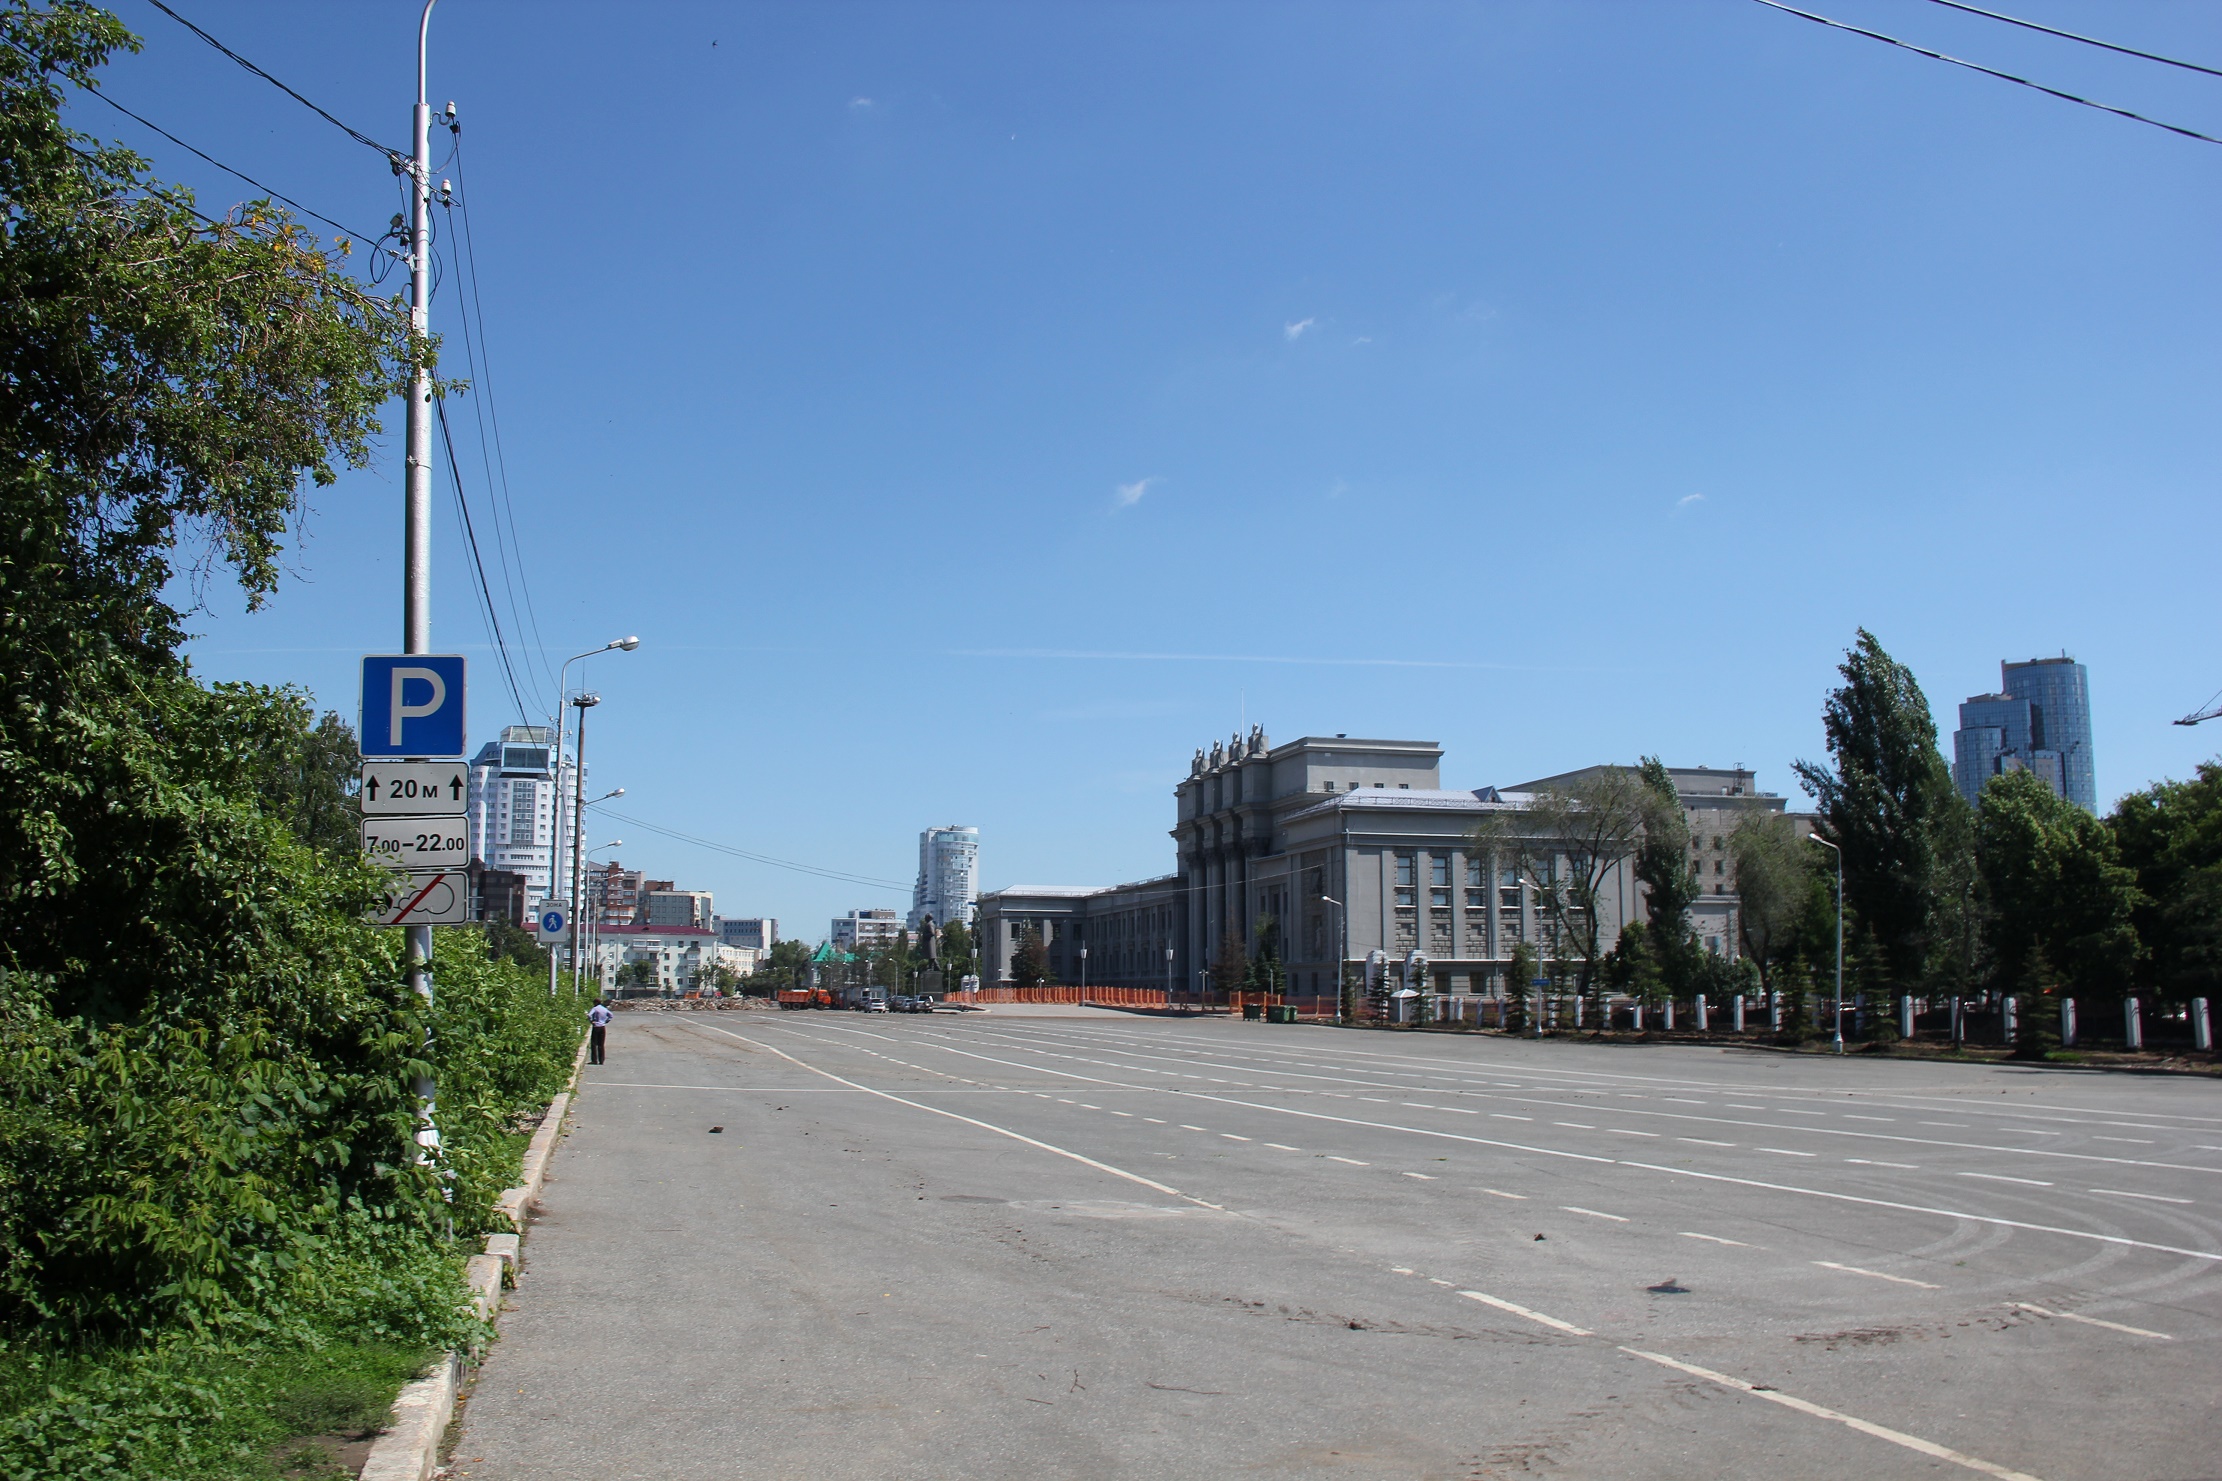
(409, 1448)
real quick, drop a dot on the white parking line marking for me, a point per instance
(1128, 1114)
(1534, 1316)
(2092, 1321)
(1704, 1141)
(1948, 1125)
(1865, 1427)
(1415, 1105)
(1714, 1239)
(1184, 1126)
(1848, 1116)
(1578, 1126)
(1999, 1177)
(1735, 1107)
(1624, 1131)
(1160, 1120)
(1278, 1147)
(1230, 1136)
(2148, 1197)
(1501, 1116)
(1570, 1208)
(1868, 1162)
(2135, 1141)
(1786, 1152)
(1877, 1274)
(1681, 1102)
(1425, 1177)
(1500, 1193)
(1354, 1162)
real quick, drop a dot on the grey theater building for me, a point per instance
(1341, 847)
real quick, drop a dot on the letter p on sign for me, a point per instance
(412, 706)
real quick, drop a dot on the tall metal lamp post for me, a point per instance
(1342, 959)
(555, 846)
(1168, 976)
(1837, 1037)
(582, 703)
(594, 932)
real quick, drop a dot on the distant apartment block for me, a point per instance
(860, 930)
(948, 876)
(754, 933)
(669, 907)
(2039, 721)
(518, 810)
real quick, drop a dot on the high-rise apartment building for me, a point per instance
(517, 807)
(2038, 721)
(669, 907)
(751, 933)
(948, 876)
(861, 930)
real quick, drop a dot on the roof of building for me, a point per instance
(1399, 799)
(655, 931)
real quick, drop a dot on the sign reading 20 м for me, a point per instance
(412, 705)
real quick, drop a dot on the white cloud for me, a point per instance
(1688, 499)
(1126, 495)
(860, 102)
(1296, 330)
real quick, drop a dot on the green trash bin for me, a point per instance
(1252, 1011)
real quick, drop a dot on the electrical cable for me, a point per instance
(486, 594)
(739, 853)
(2127, 51)
(399, 159)
(476, 306)
(501, 547)
(1939, 56)
(347, 231)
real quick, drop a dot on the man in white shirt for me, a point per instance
(599, 1017)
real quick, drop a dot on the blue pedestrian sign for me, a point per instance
(412, 705)
(551, 922)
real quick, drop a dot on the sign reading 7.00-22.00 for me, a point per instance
(416, 844)
(412, 705)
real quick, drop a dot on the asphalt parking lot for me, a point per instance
(998, 1245)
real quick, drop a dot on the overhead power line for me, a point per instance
(470, 535)
(1939, 56)
(362, 236)
(356, 134)
(2127, 51)
(739, 853)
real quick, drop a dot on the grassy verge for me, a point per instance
(292, 1380)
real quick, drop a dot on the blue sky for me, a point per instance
(976, 408)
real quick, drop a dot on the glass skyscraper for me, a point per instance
(2039, 721)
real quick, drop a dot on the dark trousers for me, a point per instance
(594, 1039)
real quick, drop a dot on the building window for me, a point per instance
(1474, 868)
(1716, 840)
(1720, 866)
(1407, 868)
(1438, 932)
(1406, 897)
(1477, 899)
(1440, 899)
(1404, 786)
(1508, 896)
(1438, 869)
(522, 796)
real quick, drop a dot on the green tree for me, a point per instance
(1568, 842)
(1669, 879)
(506, 942)
(2170, 836)
(1883, 802)
(1777, 872)
(1519, 986)
(2062, 903)
(783, 968)
(1030, 959)
(1230, 969)
(958, 959)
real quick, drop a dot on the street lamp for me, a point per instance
(555, 845)
(1838, 1036)
(593, 928)
(582, 703)
(1083, 971)
(1342, 960)
(1168, 976)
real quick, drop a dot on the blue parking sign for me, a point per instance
(412, 705)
